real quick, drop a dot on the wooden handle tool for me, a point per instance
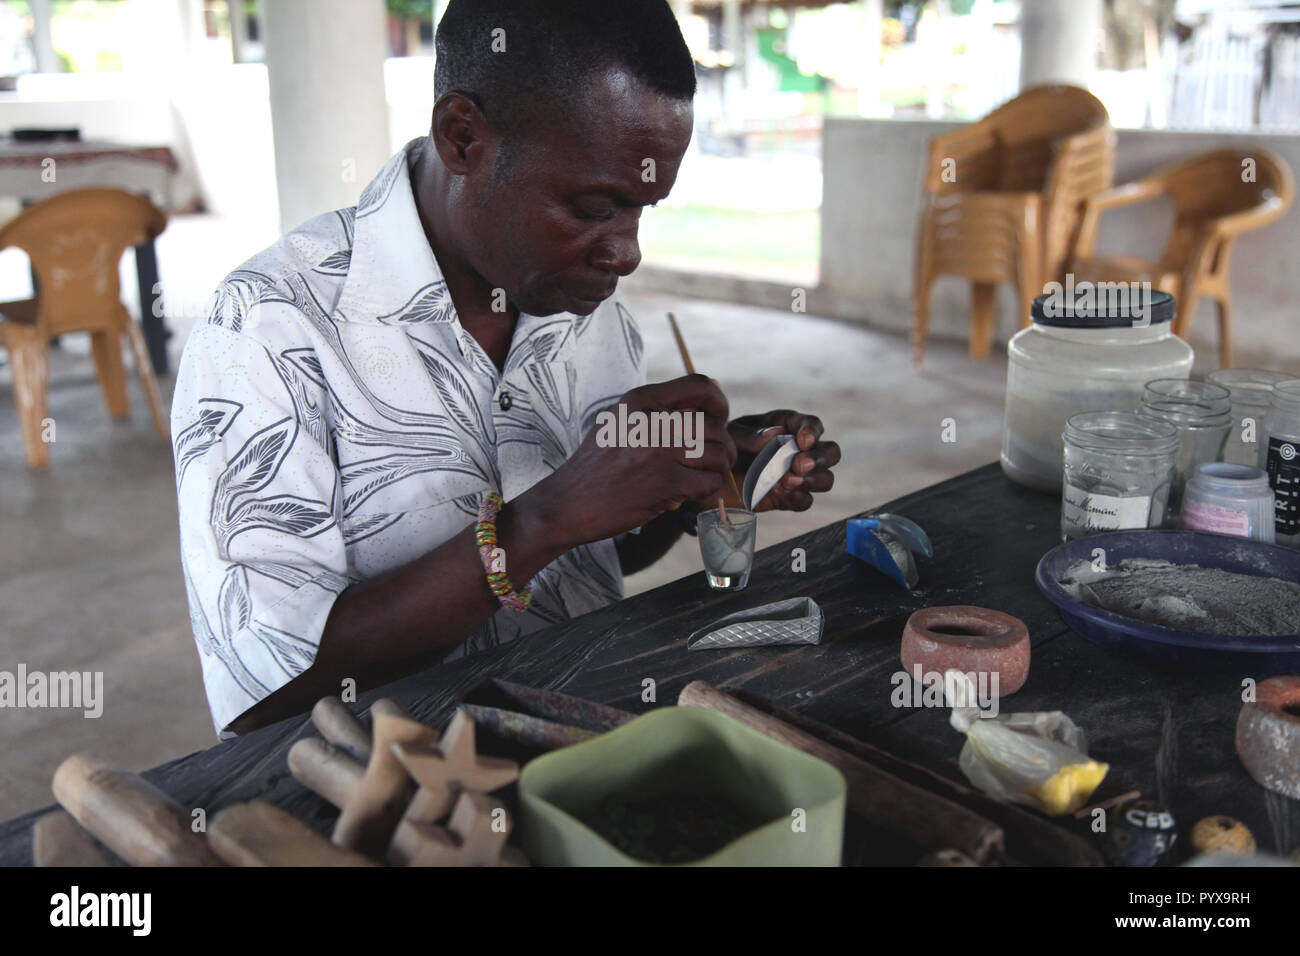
(922, 818)
(57, 840)
(129, 815)
(690, 370)
(341, 727)
(259, 834)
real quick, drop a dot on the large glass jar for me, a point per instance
(1118, 469)
(1095, 359)
(1283, 461)
(1252, 400)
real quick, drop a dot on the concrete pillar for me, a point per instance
(43, 36)
(238, 30)
(1058, 41)
(193, 26)
(325, 68)
(869, 84)
(733, 32)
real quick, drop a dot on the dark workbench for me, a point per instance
(1165, 731)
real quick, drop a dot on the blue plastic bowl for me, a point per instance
(1276, 654)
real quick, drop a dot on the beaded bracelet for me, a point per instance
(485, 536)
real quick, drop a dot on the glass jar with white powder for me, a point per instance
(1095, 356)
(1118, 471)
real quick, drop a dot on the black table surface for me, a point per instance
(1164, 730)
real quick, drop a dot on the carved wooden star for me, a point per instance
(446, 768)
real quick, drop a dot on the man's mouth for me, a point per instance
(589, 297)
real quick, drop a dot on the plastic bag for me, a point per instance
(1037, 759)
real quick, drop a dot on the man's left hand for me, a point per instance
(810, 471)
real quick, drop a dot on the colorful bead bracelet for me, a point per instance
(485, 536)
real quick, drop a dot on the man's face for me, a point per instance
(558, 226)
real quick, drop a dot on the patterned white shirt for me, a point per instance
(333, 420)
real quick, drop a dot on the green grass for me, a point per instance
(762, 245)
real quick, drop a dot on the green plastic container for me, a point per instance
(684, 749)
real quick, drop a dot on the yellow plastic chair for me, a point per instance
(75, 241)
(1003, 200)
(1216, 197)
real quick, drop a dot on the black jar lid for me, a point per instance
(1102, 305)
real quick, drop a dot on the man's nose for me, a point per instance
(618, 252)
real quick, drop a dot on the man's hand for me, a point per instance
(604, 491)
(810, 471)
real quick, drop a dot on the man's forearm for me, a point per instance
(411, 612)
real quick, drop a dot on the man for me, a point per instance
(360, 387)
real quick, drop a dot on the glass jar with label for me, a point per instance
(1118, 469)
(1202, 413)
(1282, 461)
(1252, 401)
(1225, 498)
(1096, 355)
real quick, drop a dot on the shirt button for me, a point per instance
(505, 401)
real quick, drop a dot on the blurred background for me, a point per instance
(787, 249)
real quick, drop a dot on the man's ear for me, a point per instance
(460, 133)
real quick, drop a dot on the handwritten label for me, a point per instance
(1084, 511)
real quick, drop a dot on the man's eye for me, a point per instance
(596, 213)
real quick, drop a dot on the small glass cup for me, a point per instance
(727, 547)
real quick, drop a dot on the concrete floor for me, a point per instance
(89, 561)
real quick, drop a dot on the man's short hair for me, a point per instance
(521, 59)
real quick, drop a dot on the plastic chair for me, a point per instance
(75, 241)
(1003, 201)
(1216, 196)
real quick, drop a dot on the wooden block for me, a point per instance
(129, 815)
(259, 834)
(58, 840)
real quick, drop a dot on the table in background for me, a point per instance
(79, 164)
(1164, 730)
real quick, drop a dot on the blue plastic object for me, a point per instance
(905, 529)
(861, 543)
(1259, 656)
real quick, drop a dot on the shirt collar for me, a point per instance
(394, 277)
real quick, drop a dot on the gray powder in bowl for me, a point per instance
(1188, 597)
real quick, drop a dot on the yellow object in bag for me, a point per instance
(1038, 759)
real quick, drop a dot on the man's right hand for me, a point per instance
(604, 491)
